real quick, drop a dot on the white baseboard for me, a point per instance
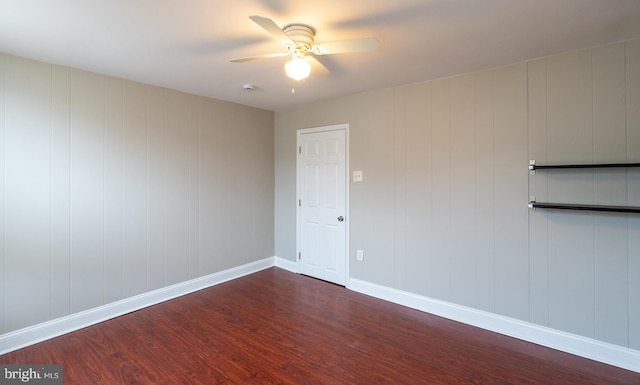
(581, 346)
(585, 347)
(285, 264)
(46, 330)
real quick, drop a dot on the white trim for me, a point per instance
(285, 264)
(46, 330)
(347, 203)
(582, 346)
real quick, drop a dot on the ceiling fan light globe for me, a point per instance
(297, 68)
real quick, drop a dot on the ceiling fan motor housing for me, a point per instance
(302, 35)
(301, 46)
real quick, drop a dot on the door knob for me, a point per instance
(340, 218)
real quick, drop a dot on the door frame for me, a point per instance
(347, 173)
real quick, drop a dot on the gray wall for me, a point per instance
(442, 211)
(110, 188)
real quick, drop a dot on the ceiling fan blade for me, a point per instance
(317, 68)
(257, 57)
(368, 43)
(273, 29)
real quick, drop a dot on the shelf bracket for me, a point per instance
(532, 167)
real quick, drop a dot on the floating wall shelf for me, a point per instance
(568, 206)
(598, 165)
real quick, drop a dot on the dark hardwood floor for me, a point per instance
(276, 327)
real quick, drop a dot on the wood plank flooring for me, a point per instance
(276, 327)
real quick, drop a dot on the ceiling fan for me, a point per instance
(300, 43)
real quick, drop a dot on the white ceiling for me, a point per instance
(186, 45)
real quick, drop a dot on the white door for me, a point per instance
(322, 203)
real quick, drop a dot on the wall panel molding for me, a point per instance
(103, 182)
